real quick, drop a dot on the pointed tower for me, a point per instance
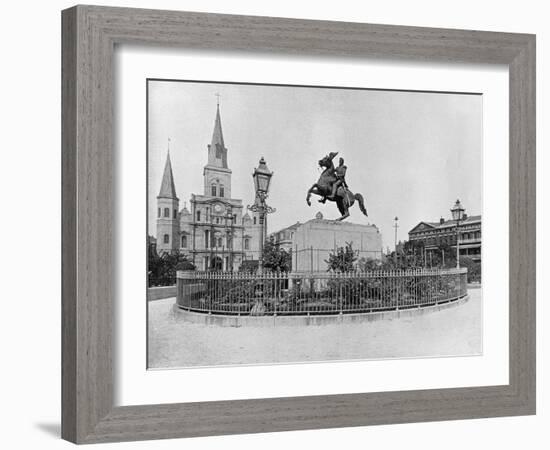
(217, 175)
(167, 211)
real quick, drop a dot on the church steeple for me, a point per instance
(167, 188)
(167, 211)
(216, 174)
(217, 153)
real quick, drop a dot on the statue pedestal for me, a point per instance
(316, 239)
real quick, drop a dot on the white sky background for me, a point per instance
(411, 154)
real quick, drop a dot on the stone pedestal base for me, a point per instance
(316, 239)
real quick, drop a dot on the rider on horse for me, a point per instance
(330, 180)
(340, 173)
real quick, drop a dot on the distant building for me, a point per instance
(312, 242)
(435, 234)
(283, 238)
(214, 232)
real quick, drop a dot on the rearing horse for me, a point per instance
(344, 197)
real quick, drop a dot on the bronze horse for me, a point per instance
(344, 197)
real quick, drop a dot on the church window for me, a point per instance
(184, 241)
(254, 220)
(198, 216)
(222, 191)
(217, 220)
(247, 244)
(166, 238)
(206, 235)
(213, 190)
(166, 212)
(234, 218)
(175, 213)
(220, 242)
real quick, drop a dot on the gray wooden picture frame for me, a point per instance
(89, 37)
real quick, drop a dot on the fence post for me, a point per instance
(277, 292)
(213, 287)
(341, 297)
(184, 278)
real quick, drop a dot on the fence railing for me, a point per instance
(309, 293)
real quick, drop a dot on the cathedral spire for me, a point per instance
(168, 188)
(217, 135)
(217, 153)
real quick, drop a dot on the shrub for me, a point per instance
(342, 260)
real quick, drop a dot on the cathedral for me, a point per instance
(215, 232)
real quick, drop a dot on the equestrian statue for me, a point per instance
(332, 186)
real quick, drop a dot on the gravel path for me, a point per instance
(175, 343)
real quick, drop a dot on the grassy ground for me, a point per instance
(175, 343)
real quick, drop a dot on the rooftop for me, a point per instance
(447, 223)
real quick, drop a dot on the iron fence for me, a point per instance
(308, 293)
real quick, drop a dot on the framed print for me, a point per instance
(267, 222)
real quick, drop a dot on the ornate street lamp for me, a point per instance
(262, 178)
(457, 212)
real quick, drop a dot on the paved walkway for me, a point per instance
(175, 343)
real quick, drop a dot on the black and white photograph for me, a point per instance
(275, 225)
(294, 224)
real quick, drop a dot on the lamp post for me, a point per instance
(262, 178)
(457, 212)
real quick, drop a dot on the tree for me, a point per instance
(162, 268)
(413, 252)
(370, 264)
(343, 260)
(249, 265)
(474, 268)
(275, 258)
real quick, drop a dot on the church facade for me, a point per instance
(217, 233)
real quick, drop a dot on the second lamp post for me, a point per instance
(457, 212)
(262, 178)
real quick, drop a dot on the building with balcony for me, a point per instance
(283, 238)
(444, 233)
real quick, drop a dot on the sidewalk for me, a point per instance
(174, 343)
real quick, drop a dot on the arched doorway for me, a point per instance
(216, 263)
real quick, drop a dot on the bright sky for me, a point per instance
(411, 154)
